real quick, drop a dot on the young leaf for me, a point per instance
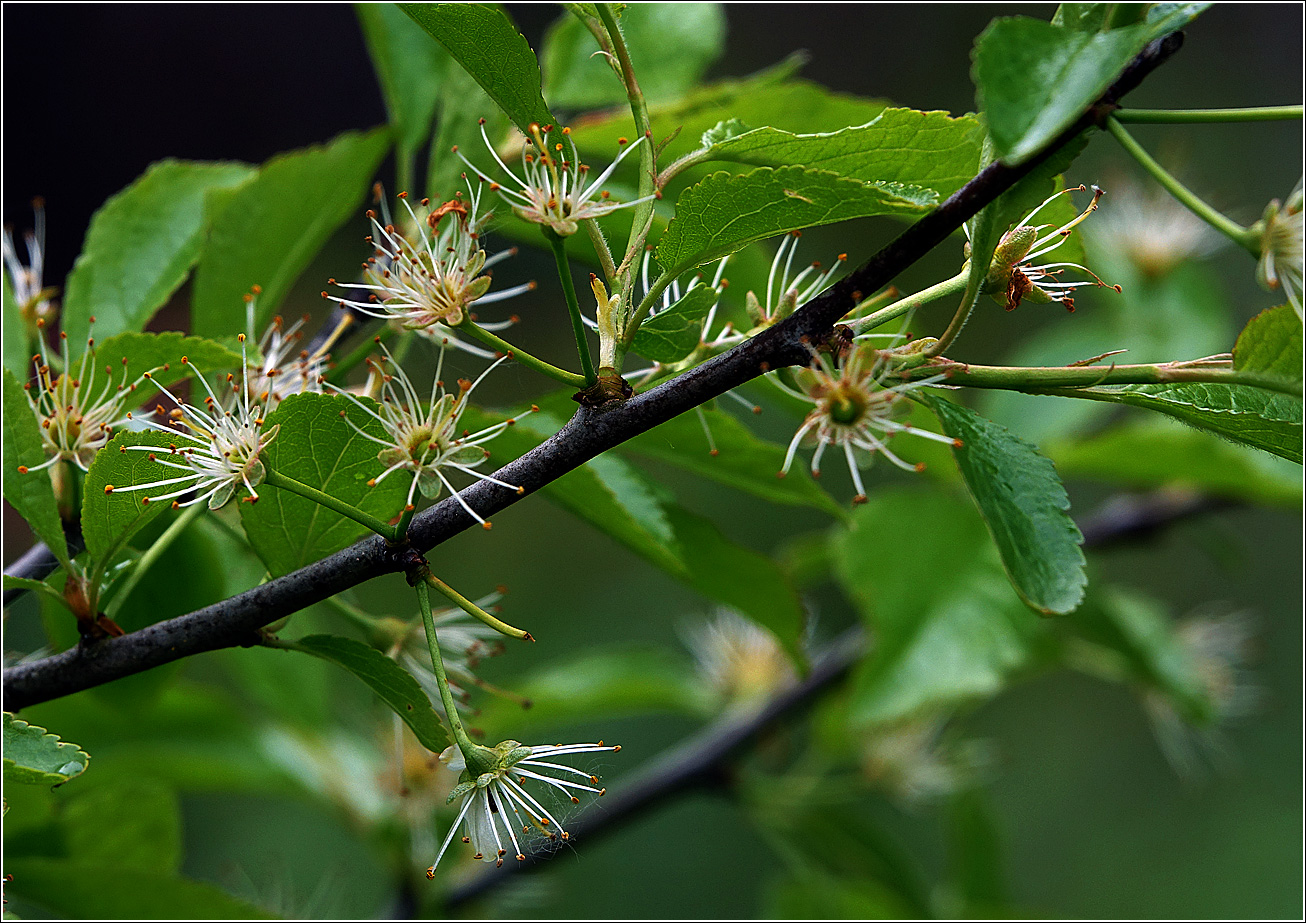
(391, 682)
(948, 628)
(141, 245)
(670, 48)
(31, 494)
(1271, 343)
(1033, 79)
(673, 334)
(489, 47)
(928, 149)
(1262, 419)
(31, 754)
(743, 460)
(317, 446)
(1025, 506)
(723, 212)
(297, 201)
(110, 519)
(410, 68)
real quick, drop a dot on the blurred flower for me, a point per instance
(1218, 649)
(553, 193)
(464, 642)
(431, 275)
(76, 419)
(220, 446)
(738, 660)
(854, 410)
(1013, 276)
(426, 441)
(496, 800)
(1282, 248)
(909, 761)
(287, 368)
(783, 293)
(1150, 229)
(34, 301)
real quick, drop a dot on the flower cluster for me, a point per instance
(77, 416)
(1014, 277)
(1283, 247)
(497, 811)
(431, 274)
(426, 440)
(219, 448)
(553, 191)
(854, 410)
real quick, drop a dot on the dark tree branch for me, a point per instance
(592, 431)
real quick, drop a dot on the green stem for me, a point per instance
(911, 303)
(276, 479)
(1202, 116)
(1073, 377)
(571, 379)
(1243, 237)
(559, 247)
(437, 663)
(152, 555)
(475, 611)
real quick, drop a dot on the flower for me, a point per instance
(33, 300)
(1149, 229)
(434, 276)
(852, 408)
(220, 445)
(553, 193)
(1283, 249)
(496, 800)
(464, 642)
(287, 368)
(739, 660)
(1013, 276)
(76, 419)
(911, 761)
(783, 294)
(425, 441)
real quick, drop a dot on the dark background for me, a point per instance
(1093, 820)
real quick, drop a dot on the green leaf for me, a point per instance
(31, 754)
(1271, 343)
(670, 47)
(141, 245)
(268, 231)
(948, 628)
(1025, 506)
(673, 334)
(489, 47)
(316, 446)
(31, 494)
(771, 97)
(126, 824)
(723, 212)
(17, 356)
(110, 519)
(146, 351)
(743, 460)
(391, 682)
(928, 149)
(1155, 453)
(73, 888)
(461, 107)
(975, 850)
(1252, 416)
(1033, 79)
(410, 68)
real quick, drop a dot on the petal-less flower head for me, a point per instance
(785, 292)
(740, 661)
(34, 301)
(1147, 227)
(287, 367)
(1283, 249)
(854, 410)
(218, 446)
(553, 191)
(464, 643)
(425, 439)
(497, 812)
(77, 414)
(1013, 275)
(434, 272)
